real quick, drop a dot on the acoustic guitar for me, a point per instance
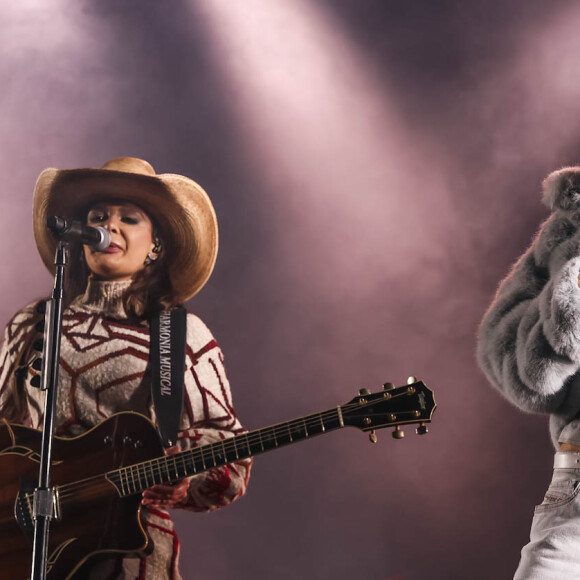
(98, 477)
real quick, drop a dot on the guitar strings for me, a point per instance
(158, 467)
(192, 453)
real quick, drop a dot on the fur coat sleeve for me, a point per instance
(529, 339)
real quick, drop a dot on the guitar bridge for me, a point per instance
(23, 506)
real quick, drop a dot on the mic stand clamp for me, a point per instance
(46, 504)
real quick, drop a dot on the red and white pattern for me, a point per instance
(102, 365)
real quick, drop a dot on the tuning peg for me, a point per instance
(398, 433)
(422, 429)
(412, 379)
(388, 386)
(38, 344)
(364, 392)
(373, 437)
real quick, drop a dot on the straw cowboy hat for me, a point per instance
(181, 208)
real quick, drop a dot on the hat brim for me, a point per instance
(180, 207)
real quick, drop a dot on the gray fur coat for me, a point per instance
(529, 339)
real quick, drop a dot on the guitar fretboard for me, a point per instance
(136, 478)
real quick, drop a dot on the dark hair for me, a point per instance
(149, 293)
(151, 290)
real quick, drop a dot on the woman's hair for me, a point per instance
(151, 290)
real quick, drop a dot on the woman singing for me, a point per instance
(163, 248)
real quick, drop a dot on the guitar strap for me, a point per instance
(167, 360)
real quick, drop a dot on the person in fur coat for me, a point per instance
(529, 349)
(163, 246)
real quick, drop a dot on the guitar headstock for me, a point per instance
(391, 407)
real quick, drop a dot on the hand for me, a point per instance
(167, 495)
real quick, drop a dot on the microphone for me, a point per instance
(71, 230)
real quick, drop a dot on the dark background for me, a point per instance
(375, 167)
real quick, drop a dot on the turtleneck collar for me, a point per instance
(104, 296)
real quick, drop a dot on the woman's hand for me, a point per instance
(167, 496)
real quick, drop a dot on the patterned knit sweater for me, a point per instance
(102, 364)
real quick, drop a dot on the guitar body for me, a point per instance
(94, 520)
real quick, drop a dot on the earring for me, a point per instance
(154, 253)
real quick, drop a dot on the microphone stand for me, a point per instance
(45, 504)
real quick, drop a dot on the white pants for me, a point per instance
(553, 552)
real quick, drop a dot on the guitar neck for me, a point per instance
(136, 478)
